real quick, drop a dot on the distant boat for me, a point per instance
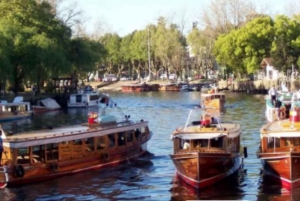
(213, 99)
(86, 98)
(206, 150)
(15, 110)
(46, 105)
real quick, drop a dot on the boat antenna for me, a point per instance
(188, 119)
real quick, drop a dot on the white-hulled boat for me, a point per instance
(86, 98)
(15, 110)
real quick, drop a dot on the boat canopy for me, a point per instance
(50, 103)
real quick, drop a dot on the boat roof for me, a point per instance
(67, 133)
(213, 94)
(282, 128)
(231, 130)
(14, 104)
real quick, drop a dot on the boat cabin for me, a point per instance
(283, 135)
(73, 148)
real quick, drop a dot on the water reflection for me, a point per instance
(229, 188)
(153, 178)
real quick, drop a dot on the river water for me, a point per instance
(153, 176)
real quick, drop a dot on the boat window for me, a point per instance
(77, 142)
(78, 99)
(186, 144)
(23, 156)
(52, 151)
(121, 139)
(38, 153)
(271, 142)
(291, 141)
(112, 140)
(216, 142)
(200, 143)
(101, 143)
(89, 144)
(137, 134)
(94, 97)
(129, 136)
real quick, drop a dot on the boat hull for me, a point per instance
(214, 103)
(4, 117)
(42, 172)
(203, 169)
(39, 109)
(283, 167)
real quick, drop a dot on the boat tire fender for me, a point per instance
(19, 171)
(245, 152)
(282, 114)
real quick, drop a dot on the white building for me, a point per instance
(270, 71)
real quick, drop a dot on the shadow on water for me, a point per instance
(229, 188)
(122, 182)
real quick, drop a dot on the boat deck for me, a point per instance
(281, 126)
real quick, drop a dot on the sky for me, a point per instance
(125, 16)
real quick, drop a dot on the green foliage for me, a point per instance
(244, 48)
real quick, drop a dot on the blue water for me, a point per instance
(153, 176)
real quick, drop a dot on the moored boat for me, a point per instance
(206, 151)
(105, 140)
(46, 105)
(136, 87)
(85, 98)
(280, 149)
(15, 110)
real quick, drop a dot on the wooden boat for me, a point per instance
(280, 149)
(15, 110)
(206, 151)
(213, 99)
(104, 141)
(169, 87)
(136, 87)
(46, 105)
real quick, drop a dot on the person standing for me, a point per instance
(277, 106)
(272, 93)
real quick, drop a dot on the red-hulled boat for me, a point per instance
(206, 151)
(280, 149)
(136, 87)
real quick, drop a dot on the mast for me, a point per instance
(149, 76)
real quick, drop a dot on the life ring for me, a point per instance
(54, 166)
(105, 156)
(282, 114)
(19, 171)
